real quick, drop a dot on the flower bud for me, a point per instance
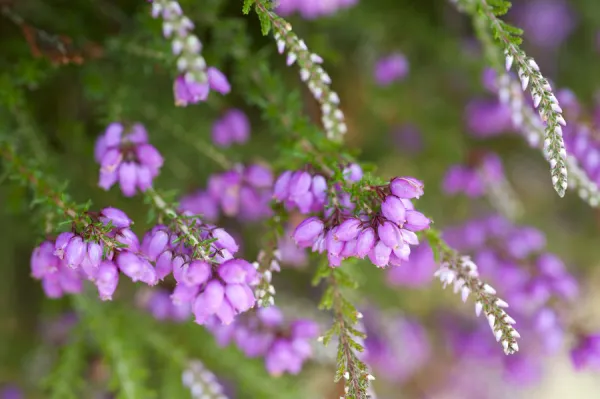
(406, 187)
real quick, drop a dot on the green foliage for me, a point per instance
(345, 317)
(66, 380)
(121, 346)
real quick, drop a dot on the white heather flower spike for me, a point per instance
(550, 114)
(313, 75)
(464, 272)
(184, 44)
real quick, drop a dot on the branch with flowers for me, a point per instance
(217, 248)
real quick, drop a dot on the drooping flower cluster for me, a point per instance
(311, 9)
(212, 282)
(390, 69)
(98, 252)
(232, 127)
(125, 156)
(203, 384)
(195, 80)
(384, 235)
(284, 345)
(301, 190)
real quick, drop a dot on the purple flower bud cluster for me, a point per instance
(473, 180)
(391, 68)
(232, 127)
(93, 255)
(308, 193)
(384, 236)
(195, 80)
(386, 350)
(214, 284)
(126, 156)
(311, 9)
(284, 345)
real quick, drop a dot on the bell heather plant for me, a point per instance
(241, 254)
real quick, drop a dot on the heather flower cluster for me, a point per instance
(212, 282)
(243, 192)
(284, 345)
(311, 9)
(384, 235)
(299, 189)
(126, 157)
(97, 252)
(195, 80)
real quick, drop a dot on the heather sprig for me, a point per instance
(57, 201)
(529, 125)
(508, 38)
(195, 80)
(311, 72)
(462, 273)
(350, 367)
